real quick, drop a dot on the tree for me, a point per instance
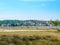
(55, 22)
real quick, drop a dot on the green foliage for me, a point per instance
(55, 22)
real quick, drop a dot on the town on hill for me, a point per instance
(8, 23)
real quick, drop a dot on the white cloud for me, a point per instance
(37, 0)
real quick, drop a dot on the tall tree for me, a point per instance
(55, 22)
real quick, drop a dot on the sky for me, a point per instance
(29, 9)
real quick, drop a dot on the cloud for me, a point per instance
(38, 0)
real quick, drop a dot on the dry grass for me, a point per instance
(26, 28)
(48, 38)
(28, 33)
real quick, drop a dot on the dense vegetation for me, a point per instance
(55, 23)
(29, 40)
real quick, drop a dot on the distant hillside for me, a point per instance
(25, 23)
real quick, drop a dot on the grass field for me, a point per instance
(30, 37)
(25, 28)
(28, 33)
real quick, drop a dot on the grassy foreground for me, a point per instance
(30, 38)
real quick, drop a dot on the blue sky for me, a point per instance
(29, 9)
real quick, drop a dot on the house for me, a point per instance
(6, 25)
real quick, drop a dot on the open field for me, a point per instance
(27, 28)
(30, 31)
(30, 36)
(23, 33)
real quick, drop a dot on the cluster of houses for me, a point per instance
(6, 25)
(29, 23)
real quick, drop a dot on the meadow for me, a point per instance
(30, 37)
